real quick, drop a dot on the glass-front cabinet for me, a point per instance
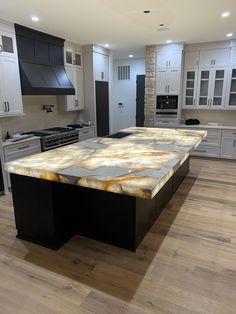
(211, 88)
(203, 88)
(190, 89)
(231, 90)
(7, 44)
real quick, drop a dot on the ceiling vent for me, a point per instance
(124, 72)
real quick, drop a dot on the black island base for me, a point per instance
(50, 213)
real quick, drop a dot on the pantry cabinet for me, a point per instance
(10, 88)
(100, 66)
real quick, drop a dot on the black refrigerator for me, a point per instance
(102, 107)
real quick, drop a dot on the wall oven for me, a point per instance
(166, 109)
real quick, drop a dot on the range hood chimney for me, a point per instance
(41, 61)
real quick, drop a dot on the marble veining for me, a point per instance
(137, 165)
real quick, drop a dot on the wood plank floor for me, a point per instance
(185, 264)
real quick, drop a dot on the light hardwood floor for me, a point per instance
(185, 264)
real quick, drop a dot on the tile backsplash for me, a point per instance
(37, 118)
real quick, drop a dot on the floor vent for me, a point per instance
(124, 72)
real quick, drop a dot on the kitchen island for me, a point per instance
(106, 188)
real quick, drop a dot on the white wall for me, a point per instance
(125, 91)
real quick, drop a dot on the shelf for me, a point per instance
(203, 96)
(219, 79)
(189, 97)
(205, 79)
(217, 97)
(190, 88)
(232, 93)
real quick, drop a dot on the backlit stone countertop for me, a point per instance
(137, 165)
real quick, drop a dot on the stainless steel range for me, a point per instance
(56, 137)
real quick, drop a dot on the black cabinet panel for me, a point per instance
(56, 55)
(41, 52)
(25, 47)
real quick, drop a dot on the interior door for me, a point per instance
(140, 93)
(102, 107)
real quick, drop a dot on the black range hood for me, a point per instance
(41, 62)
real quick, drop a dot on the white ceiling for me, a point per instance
(122, 24)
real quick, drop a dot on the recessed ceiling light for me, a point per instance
(106, 45)
(229, 35)
(131, 56)
(169, 41)
(225, 14)
(34, 18)
(146, 11)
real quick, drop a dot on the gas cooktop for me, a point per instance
(50, 131)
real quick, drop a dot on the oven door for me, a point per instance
(167, 102)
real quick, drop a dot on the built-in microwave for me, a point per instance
(167, 102)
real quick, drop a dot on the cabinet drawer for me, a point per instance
(86, 133)
(17, 151)
(207, 151)
(229, 133)
(211, 140)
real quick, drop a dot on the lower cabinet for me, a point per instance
(86, 133)
(210, 146)
(18, 150)
(228, 144)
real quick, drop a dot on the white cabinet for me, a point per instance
(211, 88)
(228, 144)
(232, 60)
(86, 133)
(190, 89)
(100, 66)
(7, 44)
(214, 58)
(168, 60)
(13, 151)
(73, 102)
(231, 89)
(10, 89)
(168, 82)
(191, 59)
(73, 57)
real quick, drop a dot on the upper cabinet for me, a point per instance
(7, 44)
(231, 88)
(191, 59)
(214, 57)
(10, 88)
(73, 57)
(232, 60)
(169, 60)
(100, 66)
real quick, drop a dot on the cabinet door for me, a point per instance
(101, 65)
(191, 59)
(162, 60)
(231, 89)
(80, 89)
(11, 85)
(161, 82)
(203, 88)
(217, 99)
(71, 100)
(206, 58)
(7, 44)
(68, 57)
(221, 57)
(175, 60)
(77, 59)
(190, 89)
(232, 60)
(228, 147)
(173, 82)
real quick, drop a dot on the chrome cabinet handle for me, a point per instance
(5, 106)
(166, 64)
(8, 107)
(1, 48)
(169, 64)
(102, 75)
(214, 61)
(234, 143)
(23, 147)
(168, 88)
